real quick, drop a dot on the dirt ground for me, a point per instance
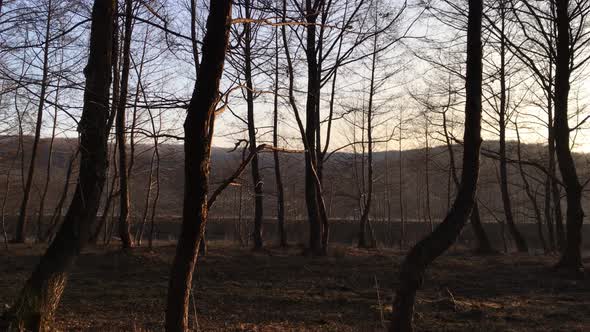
(238, 290)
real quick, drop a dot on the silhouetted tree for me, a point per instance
(198, 129)
(424, 252)
(34, 308)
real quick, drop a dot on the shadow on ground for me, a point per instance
(238, 290)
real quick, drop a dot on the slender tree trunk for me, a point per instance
(519, 239)
(427, 172)
(34, 308)
(138, 89)
(155, 202)
(5, 198)
(277, 161)
(317, 216)
(551, 167)
(388, 190)
(197, 144)
(484, 245)
(254, 167)
(102, 224)
(239, 221)
(571, 258)
(402, 237)
(57, 212)
(22, 215)
(427, 250)
(124, 199)
(556, 192)
(109, 225)
(532, 197)
(313, 90)
(363, 243)
(146, 207)
(41, 211)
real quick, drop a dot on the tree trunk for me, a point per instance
(549, 182)
(484, 245)
(124, 199)
(57, 212)
(414, 265)
(197, 145)
(571, 258)
(155, 203)
(102, 223)
(256, 178)
(313, 91)
(427, 171)
(41, 211)
(532, 197)
(35, 306)
(146, 206)
(519, 239)
(277, 161)
(22, 215)
(556, 193)
(363, 243)
(402, 235)
(5, 198)
(138, 89)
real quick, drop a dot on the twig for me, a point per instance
(452, 298)
(381, 316)
(195, 310)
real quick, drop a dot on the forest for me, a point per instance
(294, 165)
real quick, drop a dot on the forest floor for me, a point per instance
(276, 290)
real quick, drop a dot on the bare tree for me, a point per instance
(124, 200)
(22, 216)
(529, 192)
(255, 169)
(197, 147)
(433, 245)
(35, 306)
(571, 258)
(275, 142)
(504, 118)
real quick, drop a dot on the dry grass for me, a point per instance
(238, 290)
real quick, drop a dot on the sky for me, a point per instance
(169, 73)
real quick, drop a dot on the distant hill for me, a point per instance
(341, 182)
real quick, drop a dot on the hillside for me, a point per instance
(340, 180)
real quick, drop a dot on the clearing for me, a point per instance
(280, 290)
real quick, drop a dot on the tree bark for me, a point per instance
(414, 265)
(484, 245)
(35, 306)
(124, 200)
(277, 160)
(197, 145)
(402, 235)
(102, 223)
(363, 243)
(550, 182)
(571, 258)
(427, 170)
(256, 178)
(313, 91)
